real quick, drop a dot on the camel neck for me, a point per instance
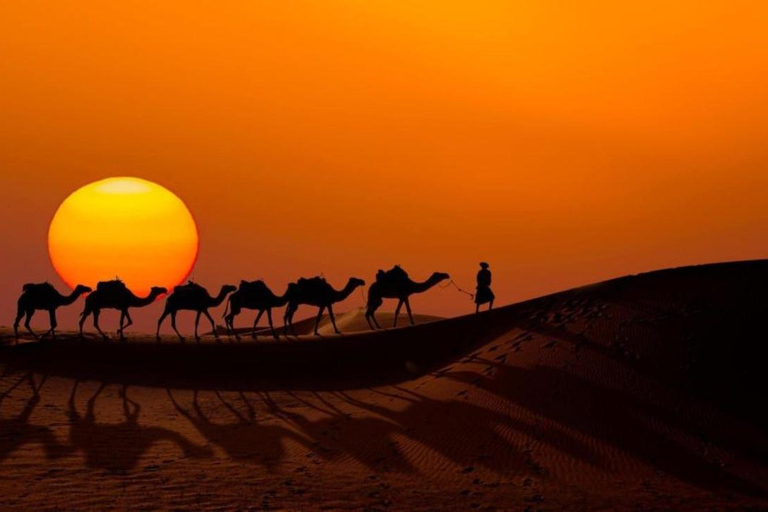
(283, 299)
(216, 301)
(66, 300)
(144, 301)
(425, 285)
(345, 292)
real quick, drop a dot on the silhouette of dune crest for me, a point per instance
(641, 392)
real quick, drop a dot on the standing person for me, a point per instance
(484, 294)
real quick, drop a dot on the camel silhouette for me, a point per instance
(43, 297)
(316, 291)
(398, 286)
(115, 295)
(193, 297)
(254, 295)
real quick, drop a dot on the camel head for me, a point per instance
(439, 276)
(81, 289)
(228, 288)
(354, 282)
(157, 290)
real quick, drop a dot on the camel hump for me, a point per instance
(115, 285)
(394, 275)
(252, 286)
(312, 283)
(190, 287)
(39, 288)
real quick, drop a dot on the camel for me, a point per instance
(254, 295)
(115, 295)
(43, 297)
(193, 297)
(317, 292)
(395, 284)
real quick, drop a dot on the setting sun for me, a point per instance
(126, 227)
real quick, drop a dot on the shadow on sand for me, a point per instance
(337, 426)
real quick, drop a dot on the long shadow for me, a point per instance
(119, 447)
(370, 442)
(17, 431)
(245, 438)
(470, 435)
(607, 414)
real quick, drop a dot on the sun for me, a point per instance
(126, 227)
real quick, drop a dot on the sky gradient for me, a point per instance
(563, 144)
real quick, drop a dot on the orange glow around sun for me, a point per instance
(126, 227)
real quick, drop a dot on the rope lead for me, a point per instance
(471, 295)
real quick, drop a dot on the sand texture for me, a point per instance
(646, 392)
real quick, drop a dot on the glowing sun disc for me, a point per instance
(126, 227)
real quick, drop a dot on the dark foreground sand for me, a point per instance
(647, 392)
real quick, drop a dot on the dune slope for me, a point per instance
(645, 391)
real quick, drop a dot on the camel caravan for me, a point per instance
(252, 295)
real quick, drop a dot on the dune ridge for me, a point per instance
(641, 392)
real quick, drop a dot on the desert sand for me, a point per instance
(645, 392)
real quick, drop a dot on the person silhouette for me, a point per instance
(484, 294)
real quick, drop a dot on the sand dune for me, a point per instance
(642, 392)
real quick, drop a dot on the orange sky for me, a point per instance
(564, 144)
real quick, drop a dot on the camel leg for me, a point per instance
(19, 316)
(229, 319)
(288, 319)
(408, 309)
(173, 324)
(231, 327)
(397, 312)
(490, 306)
(370, 315)
(477, 308)
(226, 325)
(290, 322)
(333, 319)
(96, 314)
(30, 314)
(271, 326)
(83, 317)
(213, 324)
(130, 320)
(319, 316)
(160, 322)
(123, 326)
(54, 324)
(197, 323)
(256, 322)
